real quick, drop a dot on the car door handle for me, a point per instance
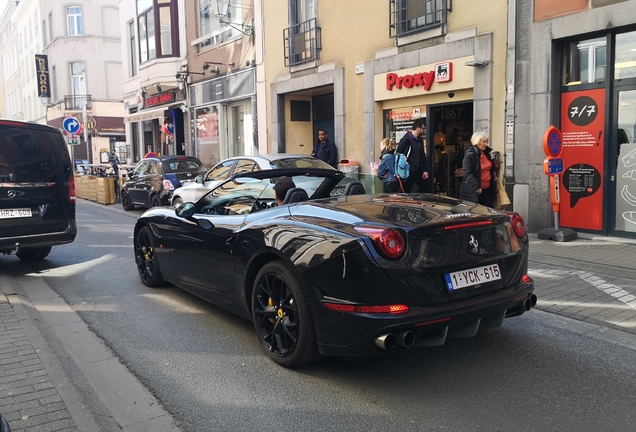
(230, 241)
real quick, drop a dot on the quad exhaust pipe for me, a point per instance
(386, 342)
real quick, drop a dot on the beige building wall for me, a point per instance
(353, 38)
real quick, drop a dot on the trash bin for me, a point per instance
(348, 166)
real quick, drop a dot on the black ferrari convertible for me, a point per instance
(335, 271)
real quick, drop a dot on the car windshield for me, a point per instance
(182, 165)
(244, 195)
(299, 162)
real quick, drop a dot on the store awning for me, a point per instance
(145, 115)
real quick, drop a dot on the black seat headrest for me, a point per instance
(354, 188)
(295, 195)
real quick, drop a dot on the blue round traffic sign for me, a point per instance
(71, 125)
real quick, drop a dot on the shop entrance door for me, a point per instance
(624, 149)
(240, 130)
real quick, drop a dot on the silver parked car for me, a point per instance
(191, 192)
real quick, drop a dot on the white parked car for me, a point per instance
(191, 192)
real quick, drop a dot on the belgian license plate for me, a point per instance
(472, 277)
(15, 213)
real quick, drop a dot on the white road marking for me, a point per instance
(618, 293)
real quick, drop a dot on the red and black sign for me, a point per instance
(583, 129)
(160, 99)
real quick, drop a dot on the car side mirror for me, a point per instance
(185, 210)
(198, 179)
(130, 174)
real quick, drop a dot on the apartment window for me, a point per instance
(413, 16)
(50, 26)
(158, 32)
(78, 78)
(210, 25)
(132, 46)
(585, 61)
(44, 33)
(74, 21)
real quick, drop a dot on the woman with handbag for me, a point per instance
(386, 169)
(479, 170)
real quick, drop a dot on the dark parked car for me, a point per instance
(37, 190)
(153, 180)
(349, 275)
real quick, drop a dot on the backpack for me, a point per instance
(401, 166)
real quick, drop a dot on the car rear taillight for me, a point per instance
(390, 309)
(72, 191)
(167, 185)
(387, 241)
(518, 225)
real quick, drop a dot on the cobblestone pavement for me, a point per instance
(28, 399)
(589, 279)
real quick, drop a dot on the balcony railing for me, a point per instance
(76, 102)
(408, 16)
(302, 43)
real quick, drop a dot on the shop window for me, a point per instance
(158, 31)
(413, 16)
(625, 63)
(585, 61)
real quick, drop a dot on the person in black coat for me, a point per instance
(412, 145)
(479, 172)
(325, 149)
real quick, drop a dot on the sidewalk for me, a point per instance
(56, 375)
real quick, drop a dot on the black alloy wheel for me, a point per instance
(125, 201)
(147, 264)
(282, 316)
(34, 254)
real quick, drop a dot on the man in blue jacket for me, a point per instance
(412, 146)
(325, 149)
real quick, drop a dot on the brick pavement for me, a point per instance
(28, 399)
(591, 279)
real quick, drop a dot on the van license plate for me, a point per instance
(15, 213)
(472, 277)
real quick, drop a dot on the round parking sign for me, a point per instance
(552, 142)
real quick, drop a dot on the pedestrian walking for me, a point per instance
(386, 169)
(325, 149)
(479, 172)
(412, 145)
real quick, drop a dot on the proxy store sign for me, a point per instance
(421, 80)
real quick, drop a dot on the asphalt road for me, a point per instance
(207, 367)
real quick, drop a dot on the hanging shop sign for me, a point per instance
(583, 142)
(42, 73)
(160, 99)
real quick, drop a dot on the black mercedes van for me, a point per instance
(37, 190)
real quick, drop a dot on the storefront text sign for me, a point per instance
(160, 99)
(583, 129)
(42, 72)
(425, 80)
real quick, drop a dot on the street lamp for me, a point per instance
(222, 7)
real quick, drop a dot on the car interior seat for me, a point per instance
(295, 195)
(354, 188)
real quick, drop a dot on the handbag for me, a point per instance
(501, 200)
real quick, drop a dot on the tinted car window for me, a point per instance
(153, 168)
(220, 171)
(182, 165)
(245, 165)
(296, 162)
(28, 155)
(141, 168)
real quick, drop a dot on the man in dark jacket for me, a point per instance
(325, 149)
(412, 145)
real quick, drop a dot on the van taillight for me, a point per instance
(71, 189)
(387, 241)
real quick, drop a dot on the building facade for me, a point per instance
(573, 65)
(363, 80)
(84, 64)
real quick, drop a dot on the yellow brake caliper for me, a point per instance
(270, 303)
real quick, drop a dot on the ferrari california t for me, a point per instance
(349, 275)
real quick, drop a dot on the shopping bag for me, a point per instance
(501, 200)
